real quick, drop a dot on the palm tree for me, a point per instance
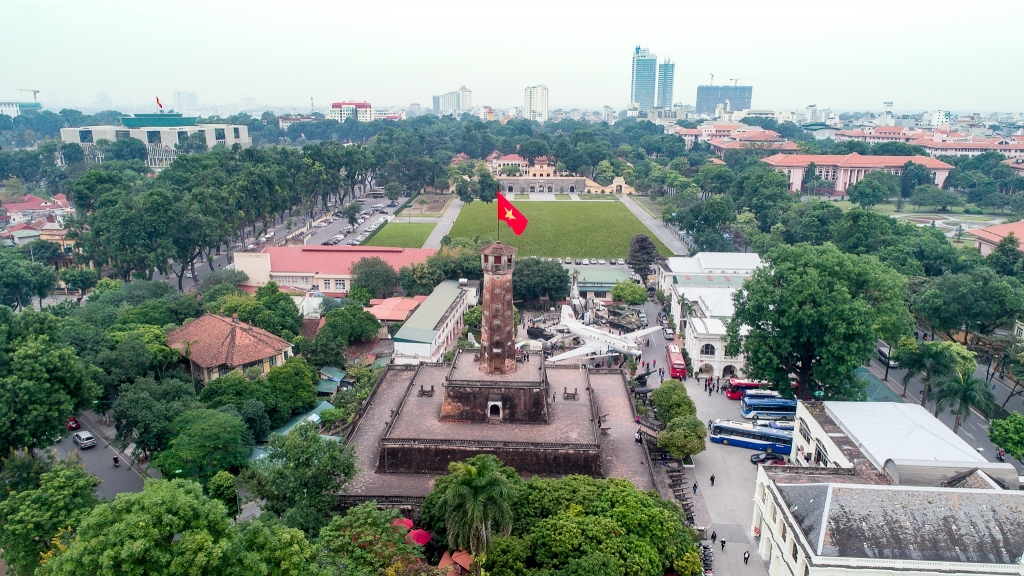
(961, 393)
(930, 360)
(476, 502)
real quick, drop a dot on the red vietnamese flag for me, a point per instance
(513, 217)
(158, 103)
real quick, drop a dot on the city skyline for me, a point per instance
(846, 68)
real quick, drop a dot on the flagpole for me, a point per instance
(498, 220)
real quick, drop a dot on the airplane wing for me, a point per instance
(581, 351)
(644, 332)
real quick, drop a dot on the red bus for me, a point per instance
(676, 363)
(737, 387)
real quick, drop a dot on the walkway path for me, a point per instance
(623, 457)
(444, 224)
(574, 196)
(657, 227)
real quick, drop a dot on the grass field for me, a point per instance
(889, 209)
(560, 229)
(598, 197)
(401, 235)
(563, 197)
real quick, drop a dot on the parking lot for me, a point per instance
(336, 229)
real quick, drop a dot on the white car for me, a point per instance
(320, 225)
(600, 261)
(84, 439)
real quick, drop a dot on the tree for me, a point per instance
(145, 409)
(816, 313)
(914, 175)
(72, 153)
(292, 388)
(195, 143)
(963, 393)
(979, 300)
(535, 279)
(364, 542)
(224, 487)
(534, 148)
(41, 383)
(21, 280)
(643, 255)
(1008, 434)
(351, 213)
(206, 442)
(672, 401)
(128, 149)
(393, 190)
(476, 503)
(29, 518)
(629, 292)
(81, 279)
(929, 195)
(876, 187)
(684, 436)
(510, 170)
(168, 528)
(1006, 257)
(935, 361)
(375, 275)
(605, 173)
(301, 476)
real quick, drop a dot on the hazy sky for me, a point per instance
(847, 55)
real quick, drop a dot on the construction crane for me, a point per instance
(712, 78)
(35, 93)
(736, 80)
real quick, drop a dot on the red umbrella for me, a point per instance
(403, 522)
(420, 537)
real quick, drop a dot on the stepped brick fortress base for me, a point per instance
(541, 419)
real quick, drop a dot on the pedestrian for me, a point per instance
(705, 386)
(718, 380)
(712, 479)
(637, 418)
(655, 363)
(709, 424)
(746, 556)
(710, 391)
(714, 536)
(723, 544)
(694, 487)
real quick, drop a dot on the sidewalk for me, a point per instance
(444, 224)
(657, 227)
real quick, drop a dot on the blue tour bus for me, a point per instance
(747, 435)
(768, 408)
(759, 393)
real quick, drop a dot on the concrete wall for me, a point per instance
(526, 458)
(256, 266)
(518, 405)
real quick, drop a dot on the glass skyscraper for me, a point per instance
(645, 70)
(666, 79)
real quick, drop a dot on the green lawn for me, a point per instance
(958, 211)
(401, 235)
(574, 229)
(563, 197)
(598, 197)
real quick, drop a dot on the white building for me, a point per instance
(160, 133)
(934, 507)
(341, 111)
(454, 101)
(701, 289)
(435, 327)
(13, 109)
(535, 103)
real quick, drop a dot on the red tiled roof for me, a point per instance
(511, 158)
(357, 105)
(993, 234)
(852, 161)
(338, 260)
(394, 309)
(219, 341)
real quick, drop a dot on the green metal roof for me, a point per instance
(333, 373)
(601, 278)
(157, 120)
(325, 386)
(421, 326)
(706, 280)
(299, 419)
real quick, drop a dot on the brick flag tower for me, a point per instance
(498, 328)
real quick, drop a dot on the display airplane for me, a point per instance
(598, 342)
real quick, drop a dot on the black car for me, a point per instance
(767, 458)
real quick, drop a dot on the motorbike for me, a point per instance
(117, 462)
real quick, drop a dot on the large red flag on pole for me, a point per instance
(513, 217)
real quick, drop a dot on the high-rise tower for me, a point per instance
(645, 70)
(535, 103)
(498, 328)
(666, 80)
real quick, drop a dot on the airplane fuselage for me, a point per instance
(603, 341)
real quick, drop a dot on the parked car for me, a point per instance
(73, 423)
(392, 204)
(767, 458)
(84, 439)
(320, 225)
(568, 260)
(559, 260)
(600, 260)
(586, 261)
(669, 335)
(593, 261)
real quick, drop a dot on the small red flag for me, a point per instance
(158, 103)
(513, 217)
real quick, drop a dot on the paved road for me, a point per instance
(98, 460)
(657, 227)
(444, 224)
